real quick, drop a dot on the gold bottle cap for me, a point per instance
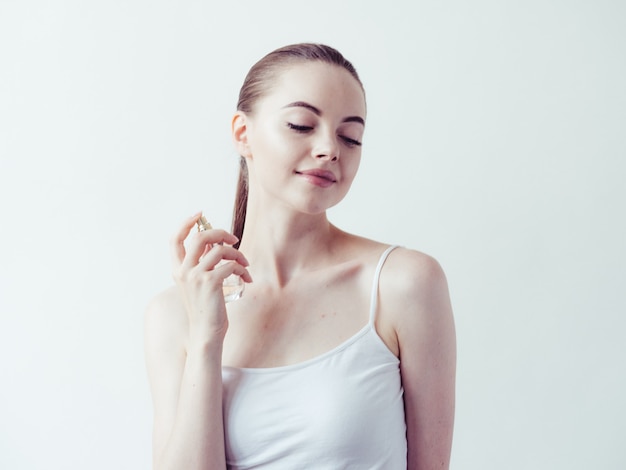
(203, 224)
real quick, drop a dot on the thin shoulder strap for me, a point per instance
(374, 297)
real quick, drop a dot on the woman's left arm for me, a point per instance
(426, 337)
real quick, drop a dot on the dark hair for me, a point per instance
(257, 83)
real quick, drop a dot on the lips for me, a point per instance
(318, 177)
(319, 173)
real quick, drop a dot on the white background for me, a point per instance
(496, 142)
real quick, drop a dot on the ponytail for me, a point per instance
(241, 201)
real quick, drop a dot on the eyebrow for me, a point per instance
(313, 109)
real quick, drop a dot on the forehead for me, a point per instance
(327, 86)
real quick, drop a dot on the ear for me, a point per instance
(239, 131)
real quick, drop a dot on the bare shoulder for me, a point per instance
(410, 280)
(412, 277)
(166, 307)
(414, 297)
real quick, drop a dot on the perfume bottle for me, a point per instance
(233, 284)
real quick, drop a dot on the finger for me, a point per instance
(216, 236)
(232, 267)
(201, 244)
(221, 252)
(177, 242)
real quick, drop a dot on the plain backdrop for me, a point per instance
(496, 142)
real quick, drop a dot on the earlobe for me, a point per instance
(239, 130)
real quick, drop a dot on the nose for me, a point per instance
(326, 148)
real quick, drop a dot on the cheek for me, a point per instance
(272, 141)
(352, 166)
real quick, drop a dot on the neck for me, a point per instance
(280, 245)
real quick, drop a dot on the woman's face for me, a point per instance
(304, 137)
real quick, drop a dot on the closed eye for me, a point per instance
(304, 129)
(299, 128)
(350, 142)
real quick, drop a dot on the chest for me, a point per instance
(269, 327)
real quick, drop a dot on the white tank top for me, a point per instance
(341, 410)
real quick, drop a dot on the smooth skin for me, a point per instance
(311, 286)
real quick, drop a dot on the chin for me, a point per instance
(316, 207)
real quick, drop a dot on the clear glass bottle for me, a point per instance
(233, 284)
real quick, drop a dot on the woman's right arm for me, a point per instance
(184, 333)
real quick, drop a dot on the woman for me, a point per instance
(341, 353)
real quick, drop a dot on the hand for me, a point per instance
(200, 279)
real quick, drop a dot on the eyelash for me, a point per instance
(350, 142)
(303, 129)
(298, 128)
